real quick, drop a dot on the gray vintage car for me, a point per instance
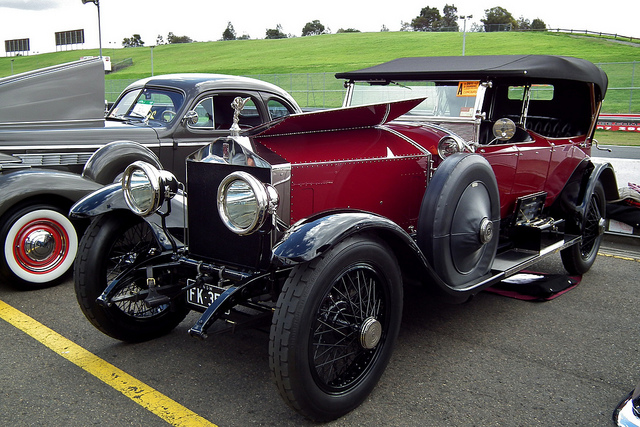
(57, 144)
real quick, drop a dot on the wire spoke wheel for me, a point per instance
(334, 327)
(592, 228)
(348, 328)
(112, 247)
(579, 258)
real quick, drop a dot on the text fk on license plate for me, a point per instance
(203, 296)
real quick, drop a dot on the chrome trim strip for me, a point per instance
(367, 160)
(62, 147)
(49, 123)
(406, 138)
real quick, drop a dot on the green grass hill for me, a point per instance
(331, 53)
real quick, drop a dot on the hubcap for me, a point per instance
(39, 245)
(370, 333)
(486, 231)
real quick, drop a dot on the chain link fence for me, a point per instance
(323, 90)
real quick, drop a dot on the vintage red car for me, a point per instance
(454, 173)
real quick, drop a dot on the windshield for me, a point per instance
(448, 99)
(158, 105)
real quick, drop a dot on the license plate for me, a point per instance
(203, 296)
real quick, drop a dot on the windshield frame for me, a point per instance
(471, 109)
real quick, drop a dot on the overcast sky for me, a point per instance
(205, 20)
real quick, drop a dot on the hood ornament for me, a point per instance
(237, 105)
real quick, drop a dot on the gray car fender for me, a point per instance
(20, 186)
(108, 163)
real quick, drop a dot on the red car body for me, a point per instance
(471, 170)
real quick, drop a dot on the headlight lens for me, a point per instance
(244, 202)
(147, 188)
(448, 146)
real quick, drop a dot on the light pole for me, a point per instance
(97, 3)
(464, 30)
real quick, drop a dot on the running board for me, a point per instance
(513, 261)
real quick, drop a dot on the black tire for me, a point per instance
(460, 218)
(320, 309)
(578, 259)
(113, 243)
(39, 246)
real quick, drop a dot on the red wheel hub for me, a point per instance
(41, 246)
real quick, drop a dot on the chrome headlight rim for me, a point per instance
(449, 145)
(162, 186)
(265, 198)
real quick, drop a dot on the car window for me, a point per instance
(277, 109)
(151, 104)
(216, 112)
(205, 114)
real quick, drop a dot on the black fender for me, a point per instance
(39, 184)
(111, 198)
(574, 197)
(109, 161)
(310, 237)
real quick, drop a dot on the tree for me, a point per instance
(313, 28)
(450, 18)
(229, 33)
(172, 39)
(348, 30)
(428, 20)
(524, 24)
(134, 41)
(538, 24)
(159, 40)
(498, 19)
(276, 33)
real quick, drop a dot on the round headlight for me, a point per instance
(147, 188)
(244, 202)
(448, 146)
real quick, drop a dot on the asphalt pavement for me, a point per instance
(492, 361)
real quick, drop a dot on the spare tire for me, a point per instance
(460, 219)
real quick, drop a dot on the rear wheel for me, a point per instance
(579, 258)
(113, 244)
(334, 328)
(39, 246)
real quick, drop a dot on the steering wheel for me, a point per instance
(168, 115)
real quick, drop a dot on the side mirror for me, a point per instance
(191, 118)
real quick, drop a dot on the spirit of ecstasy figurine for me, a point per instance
(237, 105)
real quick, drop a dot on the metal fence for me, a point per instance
(323, 90)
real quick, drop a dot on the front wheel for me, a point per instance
(579, 258)
(39, 246)
(115, 243)
(334, 328)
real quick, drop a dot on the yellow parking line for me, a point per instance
(147, 397)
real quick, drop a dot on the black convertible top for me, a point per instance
(483, 68)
